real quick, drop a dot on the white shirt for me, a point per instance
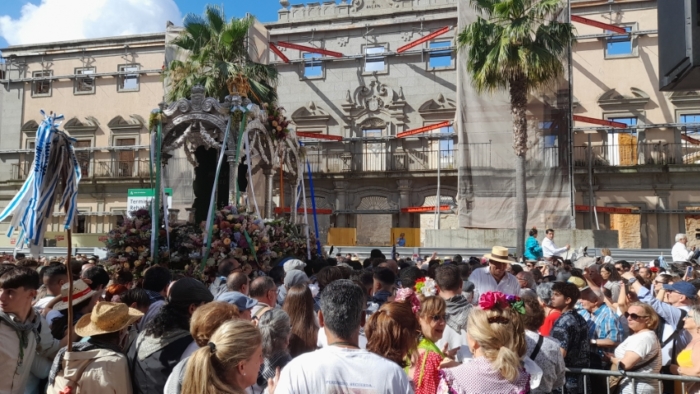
(549, 249)
(455, 339)
(322, 340)
(646, 345)
(484, 281)
(680, 252)
(340, 370)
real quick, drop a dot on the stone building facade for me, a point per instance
(368, 95)
(652, 164)
(106, 89)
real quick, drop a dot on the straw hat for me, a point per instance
(81, 292)
(106, 317)
(500, 254)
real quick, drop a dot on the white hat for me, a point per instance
(81, 292)
(293, 264)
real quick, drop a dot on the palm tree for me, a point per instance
(217, 52)
(516, 45)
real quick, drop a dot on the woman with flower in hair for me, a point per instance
(496, 338)
(426, 361)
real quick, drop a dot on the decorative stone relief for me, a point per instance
(76, 125)
(613, 99)
(311, 118)
(343, 41)
(374, 101)
(438, 107)
(118, 123)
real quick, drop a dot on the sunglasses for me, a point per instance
(438, 317)
(633, 316)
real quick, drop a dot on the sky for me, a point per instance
(37, 21)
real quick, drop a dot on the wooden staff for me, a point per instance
(70, 292)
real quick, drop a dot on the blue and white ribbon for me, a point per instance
(55, 166)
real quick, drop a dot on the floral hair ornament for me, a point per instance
(410, 296)
(495, 299)
(426, 286)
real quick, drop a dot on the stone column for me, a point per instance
(341, 189)
(267, 171)
(663, 220)
(404, 201)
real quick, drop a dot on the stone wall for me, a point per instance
(628, 228)
(374, 230)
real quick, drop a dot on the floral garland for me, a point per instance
(278, 124)
(427, 287)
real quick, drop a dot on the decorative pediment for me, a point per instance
(375, 100)
(373, 123)
(439, 107)
(685, 98)
(75, 125)
(120, 124)
(311, 118)
(30, 127)
(613, 99)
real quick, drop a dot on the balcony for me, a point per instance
(383, 160)
(97, 169)
(628, 155)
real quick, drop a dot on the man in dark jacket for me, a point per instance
(160, 346)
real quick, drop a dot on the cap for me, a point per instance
(240, 300)
(295, 277)
(682, 287)
(293, 264)
(580, 283)
(189, 290)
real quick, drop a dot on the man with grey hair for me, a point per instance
(680, 252)
(264, 290)
(342, 366)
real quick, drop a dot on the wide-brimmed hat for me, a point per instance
(106, 317)
(81, 292)
(500, 254)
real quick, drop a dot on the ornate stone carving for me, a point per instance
(375, 100)
(311, 118)
(343, 41)
(407, 35)
(118, 123)
(373, 123)
(612, 99)
(75, 125)
(31, 126)
(438, 107)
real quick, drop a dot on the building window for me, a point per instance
(619, 45)
(374, 59)
(440, 58)
(84, 80)
(41, 88)
(313, 67)
(129, 82)
(691, 118)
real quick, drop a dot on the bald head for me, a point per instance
(392, 265)
(237, 281)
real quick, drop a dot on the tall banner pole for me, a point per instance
(155, 228)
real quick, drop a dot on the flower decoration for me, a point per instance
(426, 286)
(497, 300)
(278, 124)
(409, 295)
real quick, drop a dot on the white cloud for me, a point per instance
(60, 20)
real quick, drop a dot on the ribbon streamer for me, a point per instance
(313, 206)
(55, 171)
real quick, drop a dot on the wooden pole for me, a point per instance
(281, 183)
(70, 292)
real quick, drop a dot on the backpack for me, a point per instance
(660, 332)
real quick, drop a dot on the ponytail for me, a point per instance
(533, 231)
(508, 363)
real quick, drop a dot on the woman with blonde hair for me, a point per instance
(228, 364)
(640, 352)
(496, 338)
(205, 321)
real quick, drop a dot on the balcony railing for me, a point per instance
(625, 155)
(114, 169)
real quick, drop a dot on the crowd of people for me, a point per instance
(423, 325)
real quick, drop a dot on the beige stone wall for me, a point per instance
(374, 230)
(628, 227)
(692, 229)
(427, 222)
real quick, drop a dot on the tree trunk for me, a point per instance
(518, 107)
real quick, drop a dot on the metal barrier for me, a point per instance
(633, 376)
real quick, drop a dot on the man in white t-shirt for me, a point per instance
(342, 367)
(495, 277)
